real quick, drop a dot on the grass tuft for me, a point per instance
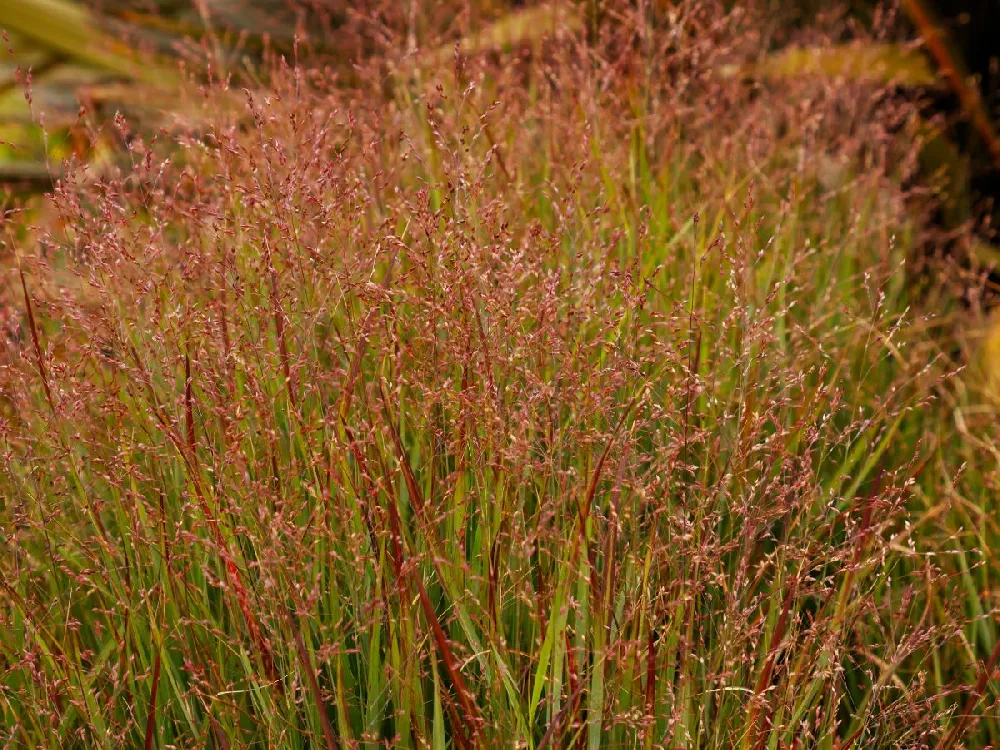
(578, 396)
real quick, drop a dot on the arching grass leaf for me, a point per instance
(887, 64)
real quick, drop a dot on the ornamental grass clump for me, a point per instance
(580, 400)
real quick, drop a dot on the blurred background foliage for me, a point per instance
(69, 65)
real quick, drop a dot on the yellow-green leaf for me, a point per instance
(886, 64)
(989, 360)
(528, 26)
(68, 29)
